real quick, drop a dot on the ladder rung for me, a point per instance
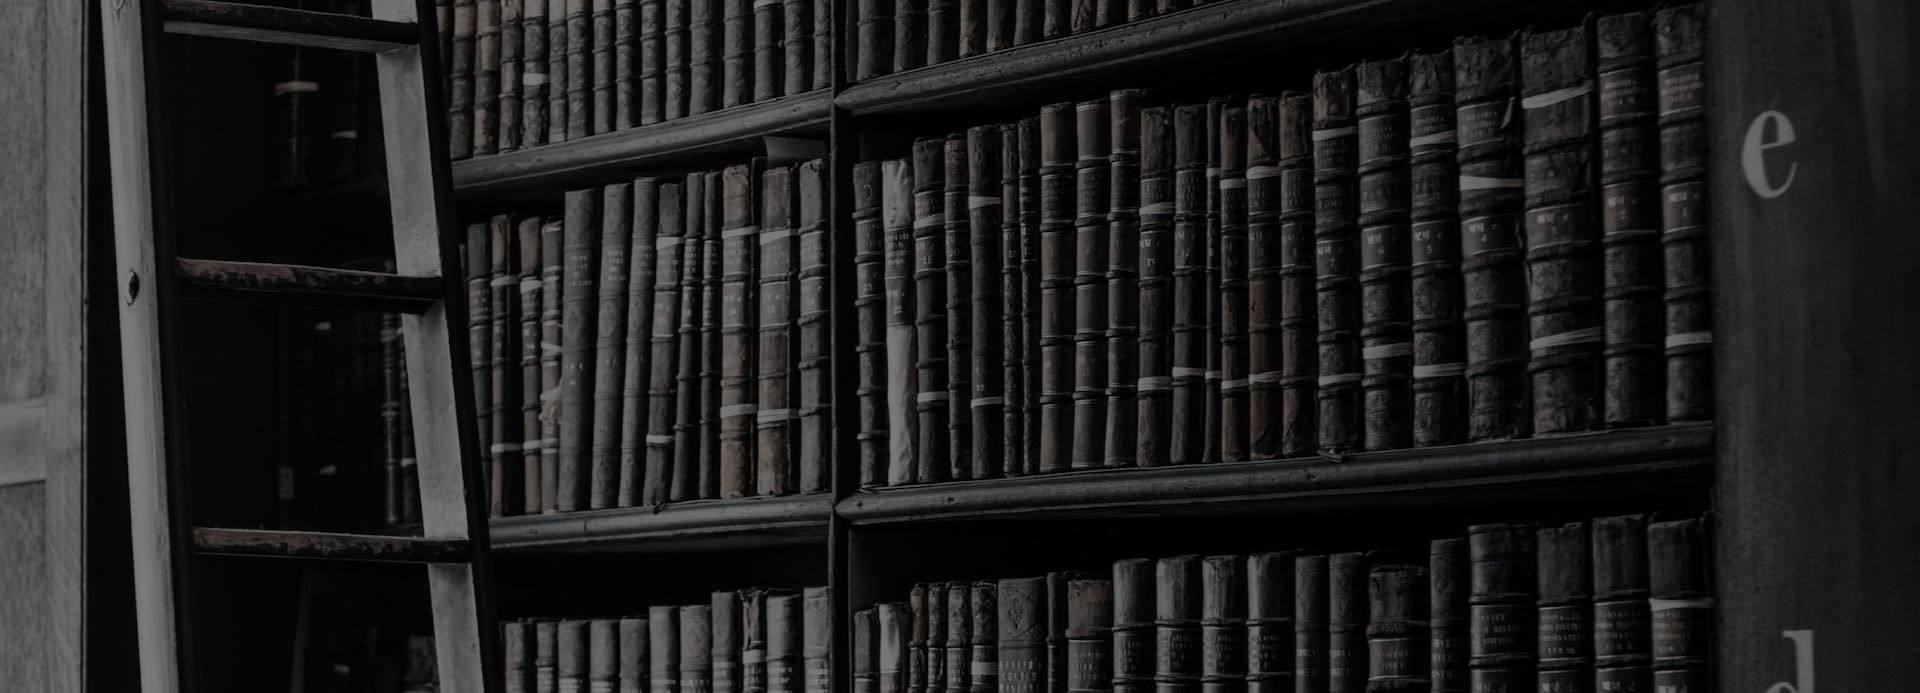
(313, 286)
(284, 26)
(328, 546)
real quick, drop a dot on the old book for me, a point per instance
(1269, 623)
(626, 68)
(392, 367)
(1056, 18)
(973, 28)
(532, 298)
(603, 654)
(604, 84)
(1057, 629)
(1190, 292)
(1177, 601)
(705, 53)
(696, 649)
(797, 49)
(1014, 338)
(866, 650)
(1090, 204)
(998, 26)
(1346, 622)
(958, 228)
(813, 440)
(1056, 258)
(902, 358)
(1299, 294)
(610, 345)
(1565, 573)
(486, 76)
(711, 364)
(637, 346)
(478, 262)
(1223, 623)
(1154, 387)
(932, 405)
(1634, 372)
(1023, 629)
(512, 46)
(895, 628)
(1133, 629)
(1397, 635)
(739, 310)
(1566, 322)
(516, 639)
(676, 59)
(959, 644)
(870, 301)
(986, 400)
(783, 638)
(983, 670)
(1679, 47)
(663, 336)
(737, 51)
(1439, 328)
(936, 637)
(739, 645)
(815, 671)
(1089, 634)
(1264, 360)
(909, 34)
(1028, 134)
(663, 649)
(546, 656)
(1210, 400)
(687, 408)
(943, 30)
(776, 416)
(1501, 607)
(507, 487)
(1622, 621)
(1681, 598)
(1121, 438)
(1231, 265)
(580, 81)
(1027, 22)
(769, 21)
(535, 83)
(916, 667)
(577, 348)
(653, 62)
(873, 51)
(822, 57)
(1335, 231)
(460, 80)
(1486, 80)
(633, 655)
(1141, 9)
(573, 655)
(552, 258)
(1449, 582)
(557, 71)
(1386, 314)
(1310, 634)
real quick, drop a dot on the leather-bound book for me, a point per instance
(1154, 386)
(1449, 584)
(998, 26)
(486, 76)
(573, 655)
(1210, 413)
(578, 306)
(870, 335)
(1299, 293)
(735, 615)
(796, 48)
(1223, 623)
(557, 70)
(737, 55)
(1565, 569)
(916, 667)
(504, 451)
(986, 400)
(894, 629)
(653, 61)
(580, 77)
(1177, 601)
(1028, 133)
(460, 78)
(983, 671)
(1336, 243)
(909, 34)
(959, 643)
(1056, 260)
(685, 484)
(626, 69)
(823, 44)
(1141, 9)
(1439, 327)
(663, 363)
(1269, 623)
(677, 58)
(1023, 630)
(1397, 636)
(704, 55)
(512, 43)
(535, 83)
(1501, 607)
(1089, 635)
(478, 263)
(958, 228)
(783, 638)
(1026, 22)
(643, 261)
(973, 28)
(603, 77)
(531, 298)
(1565, 314)
(739, 310)
(813, 441)
(776, 417)
(546, 656)
(711, 364)
(1622, 621)
(750, 650)
(1092, 190)
(1121, 439)
(1386, 315)
(1634, 370)
(873, 51)
(516, 639)
(943, 30)
(1679, 49)
(1263, 278)
(552, 257)
(663, 649)
(391, 365)
(1190, 292)
(1486, 83)
(1133, 629)
(633, 655)
(1310, 639)
(610, 348)
(1681, 597)
(1231, 264)
(603, 654)
(903, 384)
(1056, 18)
(866, 651)
(1346, 622)
(1015, 340)
(696, 649)
(932, 405)
(936, 640)
(815, 672)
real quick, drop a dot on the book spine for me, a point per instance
(705, 55)
(1310, 636)
(610, 352)
(932, 404)
(1299, 294)
(1056, 18)
(1491, 193)
(903, 388)
(580, 68)
(739, 262)
(783, 624)
(486, 76)
(1679, 47)
(936, 638)
(1622, 621)
(1083, 15)
(1028, 134)
(796, 49)
(776, 417)
(1501, 607)
(460, 78)
(1154, 386)
(1014, 338)
(816, 638)
(626, 68)
(676, 60)
(983, 668)
(654, 30)
(1565, 641)
(512, 45)
(1336, 253)
(1346, 622)
(986, 405)
(973, 28)
(1223, 623)
(664, 342)
(1269, 623)
(1210, 291)
(1022, 642)
(916, 675)
(663, 649)
(943, 30)
(696, 648)
(711, 364)
(959, 649)
(1439, 329)
(1566, 324)
(870, 310)
(1056, 258)
(1189, 316)
(1089, 635)
(558, 105)
(546, 656)
(478, 264)
(517, 641)
(958, 224)
(1026, 22)
(1057, 631)
(577, 349)
(1091, 202)
(1177, 597)
(894, 629)
(1264, 295)
(1232, 266)
(909, 34)
(391, 366)
(999, 26)
(635, 396)
(1681, 599)
(740, 658)
(552, 258)
(873, 52)
(1449, 585)
(633, 655)
(814, 439)
(686, 474)
(1133, 629)
(866, 651)
(504, 452)
(573, 656)
(1386, 329)
(737, 56)
(823, 33)
(534, 80)
(1397, 635)
(1121, 439)
(1630, 222)
(603, 68)
(603, 650)
(443, 21)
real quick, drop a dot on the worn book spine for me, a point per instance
(1386, 314)
(892, 634)
(1501, 614)
(1141, 9)
(675, 60)
(870, 311)
(873, 51)
(512, 47)
(705, 46)
(932, 405)
(1022, 643)
(909, 34)
(783, 624)
(1630, 220)
(740, 657)
(1565, 644)
(633, 655)
(664, 347)
(998, 28)
(663, 649)
(460, 80)
(626, 68)
(535, 83)
(1679, 47)
(937, 616)
(1491, 195)
(1190, 292)
(1622, 621)
(1089, 635)
(1133, 629)
(1030, 276)
(983, 667)
(866, 650)
(1681, 598)
(986, 398)
(1397, 635)
(1335, 231)
(1299, 295)
(815, 641)
(1177, 597)
(943, 30)
(711, 364)
(546, 656)
(1223, 624)
(1013, 337)
(573, 655)
(486, 76)
(1092, 188)
(737, 56)
(504, 452)
(642, 261)
(821, 60)
(1346, 622)
(917, 640)
(739, 262)
(1056, 18)
(577, 348)
(1056, 265)
(1449, 582)
(603, 655)
(813, 441)
(652, 61)
(602, 67)
(552, 258)
(478, 264)
(1439, 330)
(1269, 623)
(443, 22)
(1120, 279)
(1310, 635)
(1264, 295)
(959, 643)
(776, 416)
(797, 49)
(973, 28)
(958, 228)
(391, 365)
(580, 68)
(1026, 22)
(902, 358)
(1154, 386)
(516, 638)
(610, 349)
(1210, 400)
(696, 648)
(686, 473)
(1566, 322)
(1231, 266)
(769, 20)
(1057, 600)
(557, 70)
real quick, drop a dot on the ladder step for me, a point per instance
(312, 286)
(328, 546)
(284, 26)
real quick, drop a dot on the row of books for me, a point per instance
(746, 641)
(1501, 240)
(662, 340)
(1618, 604)
(523, 73)
(900, 35)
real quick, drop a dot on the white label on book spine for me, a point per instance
(1689, 339)
(735, 410)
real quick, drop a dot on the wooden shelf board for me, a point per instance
(1571, 466)
(704, 525)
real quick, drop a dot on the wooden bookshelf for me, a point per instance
(703, 525)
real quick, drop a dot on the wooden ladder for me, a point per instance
(453, 541)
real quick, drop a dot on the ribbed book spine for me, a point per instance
(711, 319)
(959, 643)
(1310, 624)
(816, 645)
(1177, 597)
(1264, 360)
(1210, 413)
(1223, 624)
(983, 666)
(917, 677)
(1089, 635)
(573, 655)
(1501, 607)
(1091, 202)
(676, 59)
(610, 349)
(1679, 47)
(642, 260)
(1566, 323)
(1015, 340)
(986, 406)
(1439, 329)
(1397, 635)
(705, 46)
(460, 79)
(1682, 602)
(603, 76)
(909, 34)
(1133, 629)
(823, 44)
(932, 405)
(686, 472)
(736, 52)
(739, 308)
(1056, 258)
(1121, 439)
(866, 651)
(603, 652)
(783, 624)
(797, 49)
(633, 655)
(653, 61)
(577, 347)
(486, 76)
(1269, 623)
(1030, 276)
(1491, 194)
(531, 299)
(957, 226)
(870, 310)
(1154, 386)
(546, 656)
(768, 27)
(557, 71)
(663, 649)
(504, 452)
(902, 358)
(1622, 621)
(1189, 330)
(892, 632)
(873, 51)
(776, 416)
(626, 68)
(1346, 622)
(696, 643)
(1386, 314)
(664, 344)
(478, 263)
(1449, 586)
(1232, 265)
(1022, 642)
(936, 640)
(1630, 220)
(580, 76)
(1299, 295)
(1335, 231)
(536, 84)
(512, 45)
(516, 639)
(813, 441)
(552, 258)
(1565, 572)
(943, 30)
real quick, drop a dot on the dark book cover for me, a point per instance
(815, 670)
(580, 68)
(610, 344)
(1089, 635)
(1679, 49)
(687, 473)
(478, 263)
(893, 632)
(1026, 22)
(1190, 291)
(936, 637)
(1501, 607)
(797, 49)
(870, 300)
(486, 76)
(1134, 637)
(1091, 202)
(1566, 322)
(1121, 439)
(512, 46)
(626, 64)
(1231, 264)
(603, 654)
(1681, 597)
(902, 358)
(866, 651)
(516, 638)
(739, 647)
(931, 405)
(573, 655)
(1310, 639)
(1056, 18)
(973, 27)
(1634, 368)
(603, 74)
(1223, 623)
(1154, 387)
(663, 649)
(873, 51)
(460, 80)
(1269, 623)
(767, 29)
(1439, 327)
(1622, 621)
(1056, 182)
(813, 442)
(711, 364)
(958, 227)
(983, 671)
(557, 71)
(783, 642)
(632, 656)
(1177, 601)
(1565, 569)
(1299, 294)
(1386, 313)
(676, 58)
(822, 56)
(1015, 339)
(578, 306)
(663, 336)
(392, 367)
(737, 51)
(1210, 401)
(443, 22)
(916, 667)
(696, 649)
(909, 34)
(998, 27)
(1264, 295)
(943, 31)
(508, 487)
(1141, 9)
(1449, 584)
(775, 416)
(739, 310)
(705, 46)
(1397, 635)
(986, 400)
(1486, 80)
(535, 83)
(959, 643)
(1028, 134)
(1336, 241)
(1347, 622)
(552, 258)
(1022, 645)
(637, 372)
(546, 656)
(652, 60)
